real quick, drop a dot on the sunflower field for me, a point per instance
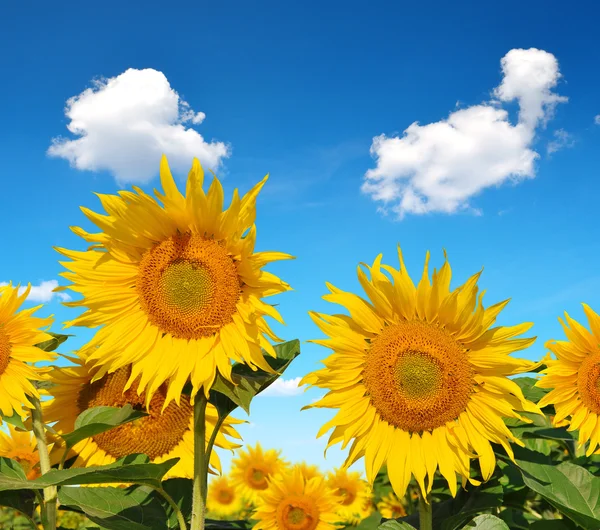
(448, 427)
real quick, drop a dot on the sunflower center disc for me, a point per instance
(225, 496)
(257, 478)
(297, 513)
(188, 286)
(154, 435)
(5, 349)
(348, 497)
(588, 382)
(418, 376)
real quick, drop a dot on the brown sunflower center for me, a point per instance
(297, 513)
(225, 496)
(154, 435)
(257, 478)
(188, 286)
(418, 377)
(588, 382)
(347, 496)
(5, 349)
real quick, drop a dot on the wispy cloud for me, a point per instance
(440, 166)
(284, 388)
(125, 123)
(597, 119)
(43, 292)
(562, 139)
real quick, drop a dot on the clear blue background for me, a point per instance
(299, 89)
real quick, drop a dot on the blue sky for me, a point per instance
(501, 169)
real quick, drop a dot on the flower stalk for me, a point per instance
(48, 508)
(425, 511)
(200, 463)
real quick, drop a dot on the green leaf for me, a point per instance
(486, 522)
(454, 513)
(21, 500)
(129, 469)
(395, 525)
(53, 343)
(15, 420)
(571, 489)
(100, 419)
(226, 396)
(370, 523)
(135, 469)
(180, 490)
(210, 524)
(531, 392)
(554, 524)
(12, 476)
(132, 508)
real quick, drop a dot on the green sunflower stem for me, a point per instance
(48, 508)
(425, 511)
(200, 463)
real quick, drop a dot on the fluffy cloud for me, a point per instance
(438, 167)
(43, 292)
(284, 387)
(125, 123)
(597, 119)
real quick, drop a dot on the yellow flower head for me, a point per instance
(175, 288)
(160, 435)
(391, 507)
(309, 470)
(223, 499)
(352, 494)
(419, 377)
(252, 469)
(19, 333)
(575, 379)
(21, 446)
(293, 503)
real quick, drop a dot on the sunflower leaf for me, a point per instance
(14, 420)
(530, 391)
(21, 500)
(454, 513)
(12, 476)
(132, 508)
(129, 469)
(53, 343)
(393, 525)
(571, 489)
(486, 522)
(227, 396)
(98, 420)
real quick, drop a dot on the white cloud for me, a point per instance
(127, 122)
(439, 166)
(597, 119)
(284, 387)
(561, 140)
(42, 292)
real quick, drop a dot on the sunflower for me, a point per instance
(21, 446)
(252, 469)
(391, 507)
(575, 379)
(309, 470)
(19, 333)
(293, 503)
(175, 288)
(366, 510)
(419, 377)
(223, 498)
(351, 491)
(165, 433)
